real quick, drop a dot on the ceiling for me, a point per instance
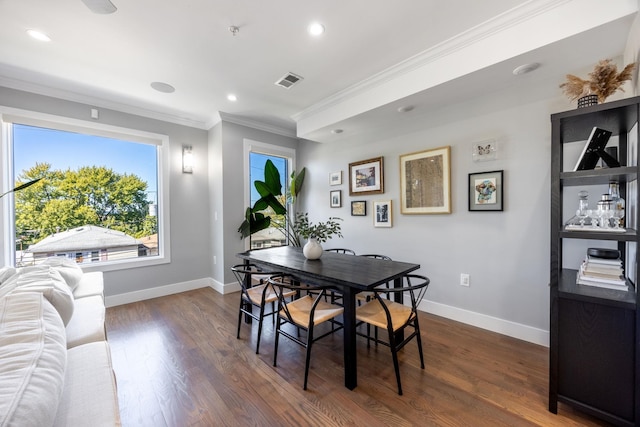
(355, 75)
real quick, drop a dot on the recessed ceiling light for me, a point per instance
(163, 87)
(232, 97)
(405, 108)
(39, 35)
(316, 29)
(525, 68)
(336, 131)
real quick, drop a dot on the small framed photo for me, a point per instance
(382, 213)
(335, 178)
(425, 182)
(336, 198)
(486, 191)
(359, 208)
(366, 177)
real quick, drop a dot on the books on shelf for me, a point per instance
(602, 273)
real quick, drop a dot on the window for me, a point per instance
(257, 155)
(100, 199)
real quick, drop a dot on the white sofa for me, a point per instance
(55, 361)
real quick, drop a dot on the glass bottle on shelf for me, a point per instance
(617, 204)
(583, 206)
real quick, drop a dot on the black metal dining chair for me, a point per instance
(255, 292)
(306, 312)
(367, 295)
(396, 317)
(341, 251)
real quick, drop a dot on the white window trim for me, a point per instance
(10, 115)
(250, 146)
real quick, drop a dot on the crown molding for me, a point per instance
(489, 28)
(68, 95)
(254, 124)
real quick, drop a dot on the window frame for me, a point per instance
(9, 116)
(251, 146)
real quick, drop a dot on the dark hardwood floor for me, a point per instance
(178, 363)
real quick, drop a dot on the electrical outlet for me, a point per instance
(464, 279)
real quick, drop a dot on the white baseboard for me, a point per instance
(490, 323)
(161, 291)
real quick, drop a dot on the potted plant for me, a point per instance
(315, 233)
(603, 81)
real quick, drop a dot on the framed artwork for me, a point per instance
(336, 198)
(366, 177)
(359, 208)
(382, 213)
(425, 182)
(335, 178)
(486, 191)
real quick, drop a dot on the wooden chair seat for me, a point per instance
(256, 293)
(300, 311)
(373, 313)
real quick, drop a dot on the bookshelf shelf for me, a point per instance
(594, 354)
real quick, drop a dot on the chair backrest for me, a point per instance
(341, 251)
(249, 275)
(282, 283)
(412, 284)
(376, 256)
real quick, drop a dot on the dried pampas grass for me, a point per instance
(603, 81)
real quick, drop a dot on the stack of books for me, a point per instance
(602, 272)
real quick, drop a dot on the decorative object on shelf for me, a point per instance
(486, 191)
(359, 208)
(603, 81)
(617, 204)
(335, 197)
(335, 178)
(484, 150)
(382, 213)
(594, 150)
(315, 233)
(425, 182)
(366, 177)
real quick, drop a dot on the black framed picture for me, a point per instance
(336, 198)
(359, 208)
(486, 191)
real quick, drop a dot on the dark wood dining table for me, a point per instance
(349, 274)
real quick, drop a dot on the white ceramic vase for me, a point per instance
(312, 249)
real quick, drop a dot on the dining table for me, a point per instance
(348, 274)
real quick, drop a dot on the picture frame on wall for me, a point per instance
(382, 215)
(366, 177)
(358, 208)
(335, 178)
(425, 182)
(336, 198)
(486, 191)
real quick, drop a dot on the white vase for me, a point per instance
(312, 249)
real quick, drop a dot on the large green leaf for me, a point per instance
(272, 179)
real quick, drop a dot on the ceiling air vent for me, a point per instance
(288, 80)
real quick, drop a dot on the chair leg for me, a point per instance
(240, 317)
(308, 357)
(417, 326)
(275, 349)
(259, 329)
(394, 355)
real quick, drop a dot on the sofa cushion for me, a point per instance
(47, 281)
(87, 323)
(90, 396)
(91, 284)
(68, 269)
(33, 356)
(5, 273)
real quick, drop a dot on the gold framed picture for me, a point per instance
(366, 177)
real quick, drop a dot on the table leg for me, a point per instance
(247, 284)
(349, 320)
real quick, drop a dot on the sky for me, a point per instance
(67, 150)
(257, 162)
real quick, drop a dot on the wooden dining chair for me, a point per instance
(305, 312)
(396, 317)
(255, 292)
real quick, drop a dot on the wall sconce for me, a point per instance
(187, 159)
